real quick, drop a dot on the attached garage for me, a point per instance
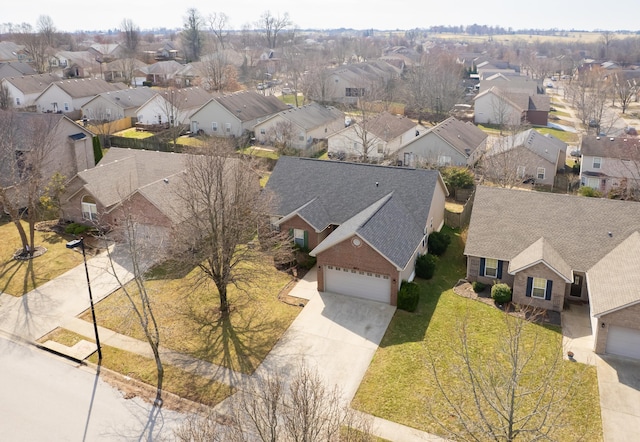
(623, 341)
(367, 285)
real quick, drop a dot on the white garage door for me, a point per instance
(355, 283)
(623, 341)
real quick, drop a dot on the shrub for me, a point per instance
(426, 266)
(438, 243)
(501, 293)
(76, 229)
(589, 192)
(408, 296)
(478, 286)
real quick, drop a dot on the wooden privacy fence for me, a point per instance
(459, 220)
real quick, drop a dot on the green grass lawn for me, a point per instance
(400, 384)
(20, 277)
(133, 133)
(190, 323)
(291, 99)
(567, 137)
(261, 153)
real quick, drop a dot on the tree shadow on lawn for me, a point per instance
(8, 271)
(238, 340)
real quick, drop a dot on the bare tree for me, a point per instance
(624, 90)
(278, 408)
(36, 45)
(282, 135)
(218, 24)
(271, 26)
(507, 163)
(131, 36)
(222, 209)
(23, 157)
(6, 100)
(192, 35)
(509, 393)
(46, 30)
(139, 250)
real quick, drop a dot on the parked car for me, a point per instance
(286, 90)
(630, 130)
(575, 153)
(593, 123)
(261, 86)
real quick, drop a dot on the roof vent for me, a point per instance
(597, 138)
(377, 184)
(611, 139)
(610, 234)
(166, 180)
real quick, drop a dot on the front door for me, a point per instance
(576, 287)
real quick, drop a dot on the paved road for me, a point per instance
(43, 397)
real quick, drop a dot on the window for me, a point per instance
(444, 160)
(301, 137)
(66, 107)
(355, 145)
(540, 173)
(214, 126)
(597, 162)
(227, 127)
(17, 101)
(379, 148)
(594, 183)
(109, 112)
(298, 237)
(263, 131)
(354, 92)
(491, 268)
(539, 288)
(89, 209)
(520, 172)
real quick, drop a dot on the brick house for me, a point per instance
(365, 224)
(527, 240)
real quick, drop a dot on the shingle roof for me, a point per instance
(613, 282)
(85, 87)
(504, 222)
(541, 252)
(312, 115)
(250, 105)
(29, 84)
(129, 98)
(388, 127)
(521, 100)
(545, 146)
(347, 191)
(463, 137)
(624, 148)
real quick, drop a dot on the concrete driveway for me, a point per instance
(576, 333)
(335, 334)
(619, 385)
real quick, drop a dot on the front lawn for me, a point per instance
(400, 384)
(260, 152)
(133, 133)
(190, 323)
(20, 277)
(567, 137)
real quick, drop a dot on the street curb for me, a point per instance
(59, 353)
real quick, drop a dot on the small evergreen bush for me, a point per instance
(478, 286)
(426, 266)
(438, 243)
(408, 296)
(501, 293)
(76, 229)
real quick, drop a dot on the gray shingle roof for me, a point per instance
(344, 190)
(129, 98)
(86, 87)
(614, 281)
(460, 135)
(29, 84)
(251, 105)
(505, 221)
(541, 251)
(545, 146)
(388, 127)
(624, 148)
(312, 115)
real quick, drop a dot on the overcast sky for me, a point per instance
(589, 15)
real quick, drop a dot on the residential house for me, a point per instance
(610, 164)
(161, 72)
(527, 155)
(349, 83)
(513, 83)
(13, 53)
(68, 96)
(24, 89)
(231, 115)
(449, 143)
(15, 69)
(125, 70)
(75, 64)
(111, 106)
(107, 52)
(167, 50)
(554, 248)
(144, 183)
(64, 146)
(300, 127)
(383, 134)
(511, 108)
(172, 106)
(365, 224)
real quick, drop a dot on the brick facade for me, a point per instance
(313, 238)
(473, 272)
(626, 317)
(362, 258)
